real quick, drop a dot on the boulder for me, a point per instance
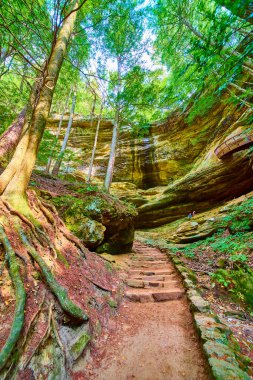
(102, 221)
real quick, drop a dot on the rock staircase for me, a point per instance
(151, 278)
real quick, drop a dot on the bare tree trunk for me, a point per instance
(49, 162)
(110, 167)
(14, 180)
(58, 162)
(95, 143)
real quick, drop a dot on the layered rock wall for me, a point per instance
(176, 154)
(166, 153)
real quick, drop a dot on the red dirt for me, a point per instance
(147, 341)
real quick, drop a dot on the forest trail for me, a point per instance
(147, 339)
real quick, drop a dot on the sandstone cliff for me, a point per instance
(173, 169)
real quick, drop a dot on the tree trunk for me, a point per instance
(10, 138)
(58, 162)
(110, 167)
(49, 162)
(95, 144)
(14, 180)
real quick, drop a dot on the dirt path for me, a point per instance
(149, 340)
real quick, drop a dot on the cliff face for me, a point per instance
(176, 158)
(210, 180)
(167, 153)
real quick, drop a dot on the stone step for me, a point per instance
(151, 272)
(134, 283)
(165, 277)
(148, 258)
(152, 278)
(149, 251)
(148, 266)
(151, 295)
(143, 262)
(161, 284)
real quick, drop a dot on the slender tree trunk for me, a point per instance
(10, 138)
(110, 167)
(14, 180)
(95, 143)
(49, 162)
(23, 77)
(58, 162)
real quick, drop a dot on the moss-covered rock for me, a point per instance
(222, 370)
(101, 220)
(89, 230)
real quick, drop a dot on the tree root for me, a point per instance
(58, 339)
(20, 295)
(59, 291)
(43, 338)
(35, 241)
(51, 219)
(47, 214)
(34, 317)
(48, 242)
(17, 213)
(3, 265)
(74, 240)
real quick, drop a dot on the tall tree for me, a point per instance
(59, 159)
(18, 213)
(89, 176)
(65, 108)
(120, 36)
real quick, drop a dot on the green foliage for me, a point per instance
(240, 217)
(238, 258)
(201, 106)
(239, 282)
(198, 41)
(12, 100)
(112, 303)
(46, 144)
(221, 276)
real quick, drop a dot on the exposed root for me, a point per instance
(47, 214)
(74, 240)
(52, 220)
(17, 213)
(50, 207)
(34, 317)
(43, 244)
(43, 337)
(20, 295)
(59, 291)
(3, 265)
(48, 242)
(58, 339)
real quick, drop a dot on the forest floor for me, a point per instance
(148, 340)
